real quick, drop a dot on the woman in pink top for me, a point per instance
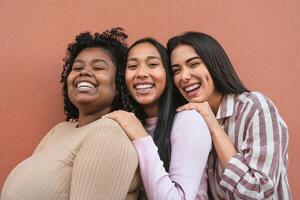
(172, 148)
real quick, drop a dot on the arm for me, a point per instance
(191, 144)
(221, 141)
(105, 165)
(44, 141)
(253, 173)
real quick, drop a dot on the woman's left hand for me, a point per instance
(205, 110)
(129, 122)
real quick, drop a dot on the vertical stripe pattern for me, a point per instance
(260, 136)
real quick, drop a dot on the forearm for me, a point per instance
(253, 172)
(223, 145)
(191, 144)
(156, 180)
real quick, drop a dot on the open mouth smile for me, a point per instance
(84, 86)
(144, 88)
(192, 88)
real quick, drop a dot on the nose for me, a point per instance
(142, 72)
(186, 75)
(85, 72)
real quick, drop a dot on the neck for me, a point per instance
(215, 102)
(151, 110)
(88, 117)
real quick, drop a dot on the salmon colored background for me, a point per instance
(261, 37)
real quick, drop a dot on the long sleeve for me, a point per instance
(254, 172)
(191, 144)
(44, 141)
(105, 165)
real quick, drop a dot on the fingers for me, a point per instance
(188, 106)
(122, 117)
(130, 124)
(112, 116)
(73, 120)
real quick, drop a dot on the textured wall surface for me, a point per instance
(261, 37)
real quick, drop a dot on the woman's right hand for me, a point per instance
(129, 122)
(205, 110)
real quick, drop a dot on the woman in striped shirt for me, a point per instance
(249, 159)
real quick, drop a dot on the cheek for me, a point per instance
(160, 76)
(112, 82)
(70, 79)
(129, 76)
(209, 79)
(176, 79)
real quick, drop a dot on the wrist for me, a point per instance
(142, 134)
(216, 130)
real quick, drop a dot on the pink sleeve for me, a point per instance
(191, 143)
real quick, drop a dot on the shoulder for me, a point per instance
(257, 101)
(106, 122)
(109, 129)
(188, 116)
(260, 107)
(63, 125)
(60, 127)
(189, 120)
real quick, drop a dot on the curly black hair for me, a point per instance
(113, 41)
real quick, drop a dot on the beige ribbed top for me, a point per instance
(96, 161)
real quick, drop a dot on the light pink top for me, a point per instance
(187, 178)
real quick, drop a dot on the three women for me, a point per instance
(249, 156)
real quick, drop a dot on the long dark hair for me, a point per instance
(113, 41)
(167, 107)
(215, 59)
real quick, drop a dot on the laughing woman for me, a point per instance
(172, 148)
(250, 138)
(91, 159)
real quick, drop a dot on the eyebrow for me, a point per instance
(147, 58)
(153, 57)
(190, 59)
(187, 61)
(93, 61)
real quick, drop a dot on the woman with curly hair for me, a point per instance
(92, 158)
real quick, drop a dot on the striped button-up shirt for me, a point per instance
(259, 168)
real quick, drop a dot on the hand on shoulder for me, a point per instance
(129, 122)
(205, 110)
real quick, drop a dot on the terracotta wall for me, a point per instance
(260, 36)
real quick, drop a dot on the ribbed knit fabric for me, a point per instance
(96, 161)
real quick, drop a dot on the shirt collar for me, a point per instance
(226, 107)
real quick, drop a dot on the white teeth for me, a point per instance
(143, 86)
(192, 87)
(85, 84)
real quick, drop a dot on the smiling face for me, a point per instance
(191, 76)
(91, 83)
(145, 75)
